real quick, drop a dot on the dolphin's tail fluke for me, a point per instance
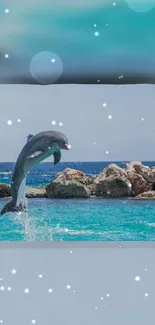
(12, 207)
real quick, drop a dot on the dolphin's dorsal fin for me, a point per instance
(29, 137)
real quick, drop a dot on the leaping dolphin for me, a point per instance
(37, 148)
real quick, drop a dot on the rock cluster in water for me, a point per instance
(134, 180)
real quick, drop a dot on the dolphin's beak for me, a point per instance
(67, 146)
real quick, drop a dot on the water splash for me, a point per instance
(22, 217)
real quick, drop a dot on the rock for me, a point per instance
(69, 174)
(138, 183)
(146, 195)
(147, 173)
(67, 189)
(74, 175)
(112, 182)
(36, 192)
(5, 190)
(113, 170)
(130, 166)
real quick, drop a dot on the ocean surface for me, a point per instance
(94, 219)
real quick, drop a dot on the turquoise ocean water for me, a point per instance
(94, 219)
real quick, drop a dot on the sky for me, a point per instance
(84, 112)
(89, 37)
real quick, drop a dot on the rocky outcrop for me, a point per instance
(146, 195)
(112, 182)
(36, 192)
(67, 189)
(138, 183)
(135, 180)
(5, 190)
(74, 175)
(130, 166)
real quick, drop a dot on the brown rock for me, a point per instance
(69, 174)
(67, 189)
(130, 166)
(36, 192)
(78, 176)
(146, 195)
(147, 173)
(5, 190)
(138, 183)
(112, 182)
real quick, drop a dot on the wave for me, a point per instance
(45, 175)
(5, 173)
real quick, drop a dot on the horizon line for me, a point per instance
(88, 161)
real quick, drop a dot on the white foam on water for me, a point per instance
(22, 217)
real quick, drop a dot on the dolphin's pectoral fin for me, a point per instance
(35, 154)
(57, 157)
(29, 137)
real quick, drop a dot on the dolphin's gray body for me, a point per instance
(37, 148)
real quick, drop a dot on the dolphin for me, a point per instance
(37, 148)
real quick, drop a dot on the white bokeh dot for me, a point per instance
(26, 290)
(2, 288)
(110, 117)
(9, 289)
(33, 321)
(13, 271)
(137, 278)
(18, 120)
(1, 321)
(6, 55)
(104, 104)
(68, 286)
(146, 294)
(46, 67)
(40, 276)
(6, 10)
(70, 252)
(101, 298)
(141, 6)
(50, 290)
(108, 295)
(60, 124)
(9, 122)
(107, 152)
(53, 122)
(142, 118)
(96, 33)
